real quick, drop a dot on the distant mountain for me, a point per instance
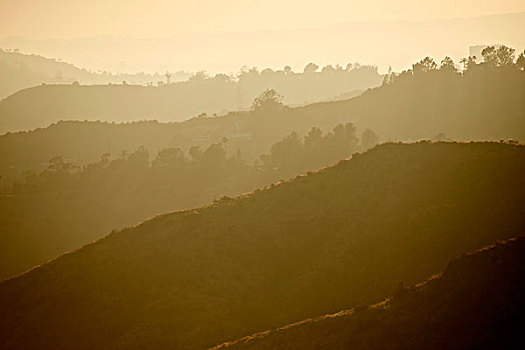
(320, 243)
(20, 71)
(478, 302)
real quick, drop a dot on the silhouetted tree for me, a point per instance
(520, 62)
(269, 99)
(369, 139)
(447, 65)
(502, 56)
(425, 65)
(311, 68)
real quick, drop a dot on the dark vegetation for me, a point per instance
(480, 102)
(252, 133)
(48, 212)
(317, 244)
(477, 303)
(174, 101)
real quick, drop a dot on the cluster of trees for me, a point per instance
(176, 97)
(492, 57)
(470, 101)
(198, 167)
(295, 154)
(44, 213)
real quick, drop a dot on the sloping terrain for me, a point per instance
(40, 106)
(482, 104)
(84, 142)
(320, 243)
(478, 302)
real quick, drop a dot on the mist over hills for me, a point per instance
(383, 43)
(44, 213)
(476, 302)
(314, 245)
(238, 181)
(483, 102)
(42, 105)
(20, 71)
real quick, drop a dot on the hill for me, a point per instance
(64, 206)
(20, 71)
(476, 303)
(43, 105)
(252, 133)
(314, 245)
(480, 103)
(484, 102)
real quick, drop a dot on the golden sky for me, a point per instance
(160, 18)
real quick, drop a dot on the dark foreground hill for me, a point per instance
(477, 303)
(312, 246)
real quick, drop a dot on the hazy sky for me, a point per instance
(158, 18)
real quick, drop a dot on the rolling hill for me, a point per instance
(480, 104)
(42, 105)
(323, 242)
(21, 71)
(476, 303)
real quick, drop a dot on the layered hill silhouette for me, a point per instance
(482, 103)
(42, 105)
(315, 245)
(252, 133)
(62, 207)
(21, 71)
(476, 303)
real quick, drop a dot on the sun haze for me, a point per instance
(65, 19)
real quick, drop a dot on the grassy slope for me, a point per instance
(315, 245)
(476, 303)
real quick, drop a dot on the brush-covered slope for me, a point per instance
(477, 303)
(482, 103)
(315, 245)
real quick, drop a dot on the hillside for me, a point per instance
(482, 103)
(123, 102)
(320, 243)
(46, 213)
(84, 142)
(478, 302)
(21, 71)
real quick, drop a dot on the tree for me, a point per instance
(520, 62)
(311, 68)
(447, 65)
(312, 140)
(269, 99)
(329, 69)
(468, 63)
(369, 139)
(502, 56)
(427, 64)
